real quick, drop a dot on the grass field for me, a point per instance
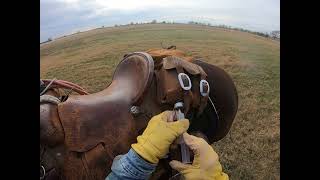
(252, 148)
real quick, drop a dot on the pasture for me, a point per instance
(252, 148)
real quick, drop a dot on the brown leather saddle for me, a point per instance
(88, 131)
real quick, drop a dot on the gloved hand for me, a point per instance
(205, 166)
(161, 131)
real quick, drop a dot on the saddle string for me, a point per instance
(45, 89)
(67, 94)
(214, 107)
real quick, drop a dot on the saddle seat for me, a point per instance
(87, 119)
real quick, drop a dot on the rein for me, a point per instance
(55, 83)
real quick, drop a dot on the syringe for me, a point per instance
(185, 153)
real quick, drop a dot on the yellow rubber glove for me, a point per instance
(205, 166)
(161, 131)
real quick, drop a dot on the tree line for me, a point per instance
(273, 34)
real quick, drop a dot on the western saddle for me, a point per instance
(97, 127)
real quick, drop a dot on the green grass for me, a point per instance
(252, 148)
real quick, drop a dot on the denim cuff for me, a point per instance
(132, 166)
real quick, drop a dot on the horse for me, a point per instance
(81, 134)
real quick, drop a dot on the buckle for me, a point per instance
(204, 88)
(184, 81)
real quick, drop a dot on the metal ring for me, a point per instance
(135, 110)
(201, 88)
(44, 172)
(186, 88)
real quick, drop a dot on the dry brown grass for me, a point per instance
(251, 149)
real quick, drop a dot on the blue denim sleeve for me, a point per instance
(130, 166)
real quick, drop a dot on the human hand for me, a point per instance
(160, 133)
(205, 166)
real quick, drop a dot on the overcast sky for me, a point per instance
(62, 17)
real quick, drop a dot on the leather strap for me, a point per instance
(194, 99)
(49, 99)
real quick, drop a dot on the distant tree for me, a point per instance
(209, 24)
(261, 34)
(154, 21)
(163, 22)
(275, 34)
(131, 23)
(116, 25)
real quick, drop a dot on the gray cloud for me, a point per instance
(60, 17)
